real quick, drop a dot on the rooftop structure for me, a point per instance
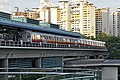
(5, 15)
(45, 24)
(25, 19)
(23, 25)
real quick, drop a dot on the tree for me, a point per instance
(112, 44)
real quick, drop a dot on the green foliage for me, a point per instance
(26, 77)
(87, 37)
(112, 44)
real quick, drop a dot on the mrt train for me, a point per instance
(56, 40)
(64, 40)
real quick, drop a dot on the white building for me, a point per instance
(64, 14)
(115, 22)
(83, 17)
(102, 21)
(76, 12)
(76, 15)
(54, 14)
(48, 12)
(44, 3)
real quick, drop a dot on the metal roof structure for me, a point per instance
(22, 25)
(93, 63)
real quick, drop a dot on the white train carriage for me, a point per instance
(61, 40)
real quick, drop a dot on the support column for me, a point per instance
(37, 63)
(4, 64)
(110, 73)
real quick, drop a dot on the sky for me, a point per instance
(8, 5)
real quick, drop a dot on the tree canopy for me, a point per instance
(112, 44)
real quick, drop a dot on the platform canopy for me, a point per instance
(92, 63)
(22, 25)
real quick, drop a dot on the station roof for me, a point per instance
(93, 63)
(27, 26)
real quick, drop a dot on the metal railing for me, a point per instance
(49, 74)
(46, 45)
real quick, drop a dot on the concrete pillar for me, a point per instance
(110, 73)
(4, 64)
(37, 63)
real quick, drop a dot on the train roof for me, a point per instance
(27, 26)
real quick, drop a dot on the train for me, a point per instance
(55, 40)
(37, 37)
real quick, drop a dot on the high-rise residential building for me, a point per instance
(45, 10)
(64, 14)
(76, 15)
(83, 17)
(54, 14)
(45, 14)
(76, 12)
(28, 14)
(58, 15)
(89, 20)
(49, 12)
(44, 3)
(102, 21)
(115, 22)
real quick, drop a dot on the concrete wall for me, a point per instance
(36, 53)
(109, 73)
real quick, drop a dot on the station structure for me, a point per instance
(18, 49)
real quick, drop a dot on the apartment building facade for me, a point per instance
(83, 17)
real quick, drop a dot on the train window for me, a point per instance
(88, 42)
(91, 43)
(38, 36)
(1, 36)
(61, 39)
(71, 40)
(58, 39)
(33, 36)
(98, 44)
(53, 38)
(68, 40)
(84, 42)
(45, 37)
(81, 41)
(50, 38)
(41, 37)
(64, 40)
(75, 40)
(103, 44)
